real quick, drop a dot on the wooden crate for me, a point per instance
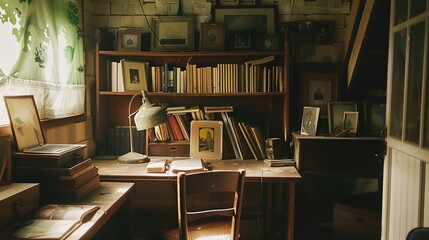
(358, 217)
(5, 161)
(17, 200)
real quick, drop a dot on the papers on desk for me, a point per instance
(187, 165)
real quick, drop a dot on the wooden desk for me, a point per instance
(110, 170)
(110, 196)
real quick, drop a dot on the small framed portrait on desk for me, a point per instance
(310, 117)
(206, 139)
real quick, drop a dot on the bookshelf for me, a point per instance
(269, 110)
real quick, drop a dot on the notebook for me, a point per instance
(27, 130)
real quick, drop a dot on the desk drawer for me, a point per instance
(170, 148)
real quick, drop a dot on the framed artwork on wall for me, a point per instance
(129, 40)
(212, 37)
(257, 19)
(173, 33)
(206, 139)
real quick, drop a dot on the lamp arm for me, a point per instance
(129, 119)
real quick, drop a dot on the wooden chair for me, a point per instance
(418, 233)
(222, 219)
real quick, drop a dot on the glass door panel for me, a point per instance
(417, 7)
(398, 75)
(401, 10)
(415, 77)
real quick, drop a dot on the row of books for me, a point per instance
(118, 140)
(252, 76)
(240, 141)
(69, 183)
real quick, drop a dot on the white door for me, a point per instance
(406, 171)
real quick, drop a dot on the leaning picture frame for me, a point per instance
(374, 116)
(135, 75)
(212, 37)
(350, 122)
(261, 19)
(310, 118)
(173, 33)
(129, 40)
(206, 139)
(336, 113)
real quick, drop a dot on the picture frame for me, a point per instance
(261, 19)
(129, 40)
(336, 114)
(241, 40)
(325, 77)
(270, 43)
(374, 116)
(135, 75)
(173, 33)
(206, 139)
(212, 37)
(350, 122)
(310, 119)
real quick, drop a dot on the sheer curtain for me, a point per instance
(41, 53)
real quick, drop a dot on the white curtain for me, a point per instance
(41, 53)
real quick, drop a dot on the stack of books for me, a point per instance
(68, 183)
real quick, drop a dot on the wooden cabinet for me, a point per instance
(268, 110)
(356, 157)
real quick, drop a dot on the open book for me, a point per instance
(56, 221)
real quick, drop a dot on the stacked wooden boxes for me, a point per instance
(65, 178)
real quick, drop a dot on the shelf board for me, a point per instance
(161, 94)
(191, 54)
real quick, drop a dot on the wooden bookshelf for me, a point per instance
(269, 110)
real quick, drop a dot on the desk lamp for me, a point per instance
(147, 116)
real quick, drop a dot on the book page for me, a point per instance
(55, 221)
(46, 229)
(65, 212)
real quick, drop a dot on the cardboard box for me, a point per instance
(17, 200)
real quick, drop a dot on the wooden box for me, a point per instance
(170, 149)
(48, 160)
(5, 161)
(17, 200)
(358, 217)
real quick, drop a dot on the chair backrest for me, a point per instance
(192, 185)
(418, 233)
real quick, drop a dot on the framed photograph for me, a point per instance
(135, 75)
(318, 88)
(350, 121)
(206, 139)
(336, 114)
(261, 20)
(212, 37)
(129, 40)
(241, 40)
(374, 116)
(173, 33)
(310, 118)
(270, 43)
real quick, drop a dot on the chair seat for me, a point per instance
(207, 230)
